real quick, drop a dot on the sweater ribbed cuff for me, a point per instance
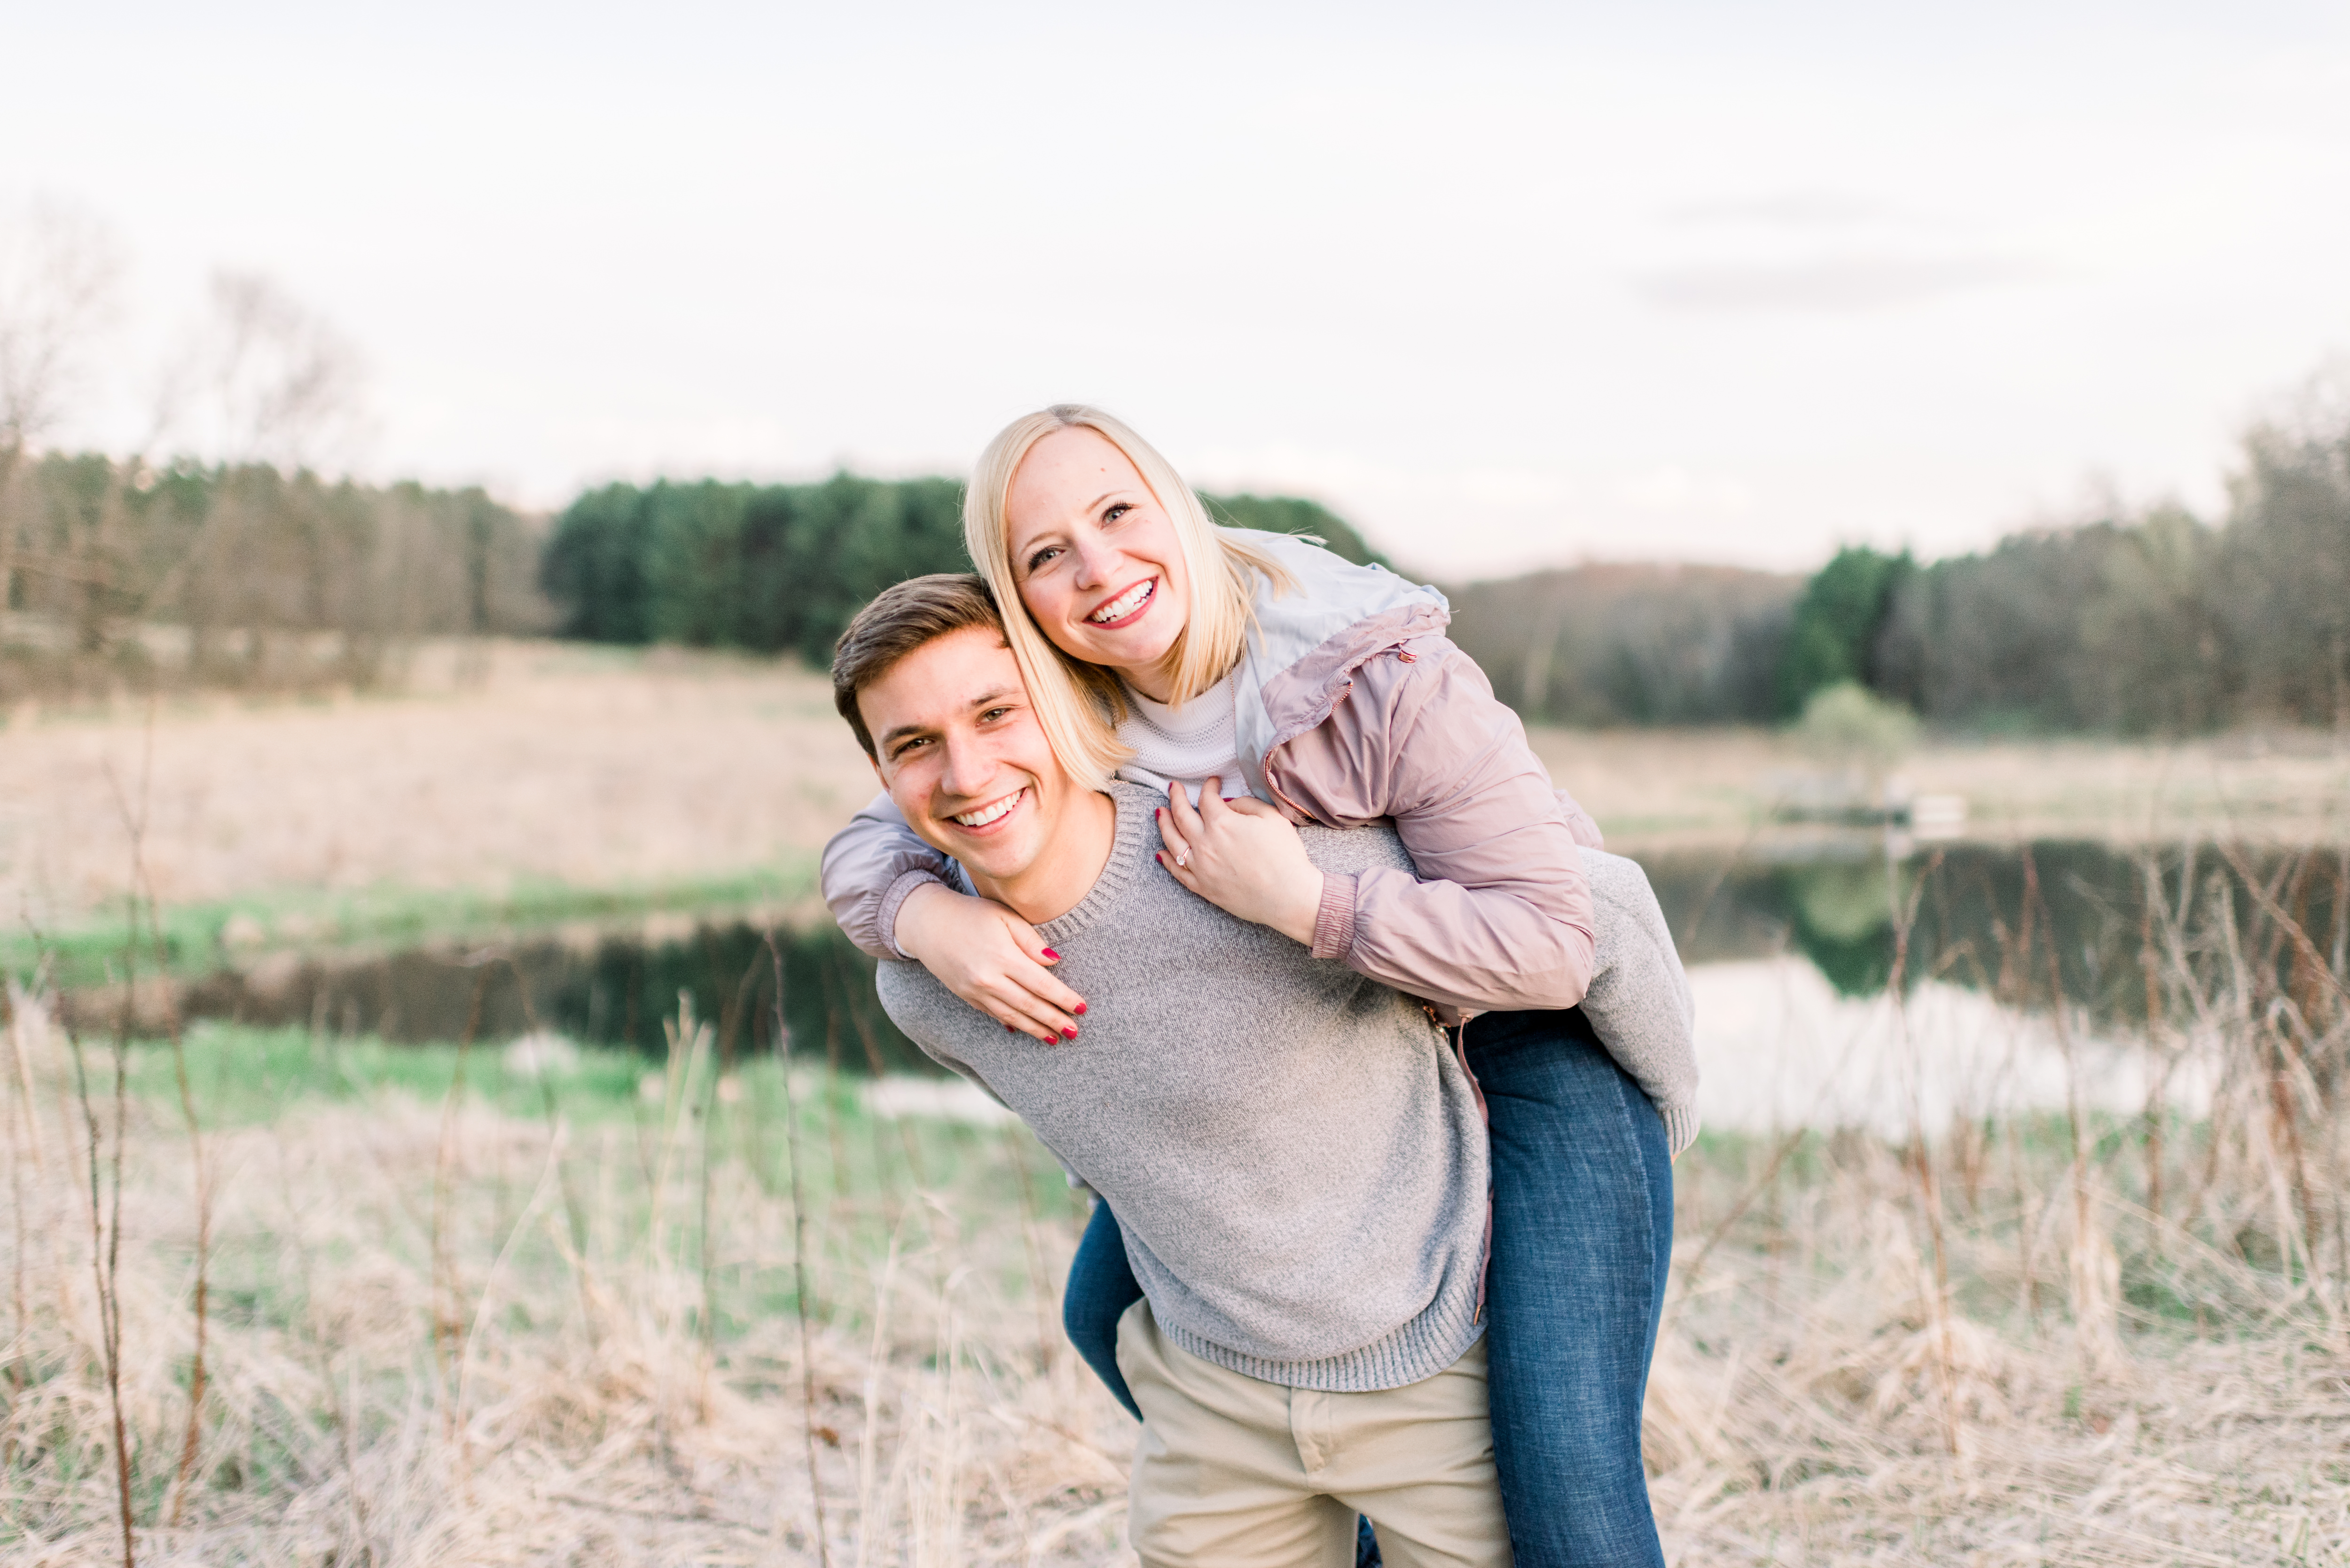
(1333, 921)
(895, 900)
(1680, 1128)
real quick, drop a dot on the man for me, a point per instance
(1295, 1156)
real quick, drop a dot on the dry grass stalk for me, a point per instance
(799, 1260)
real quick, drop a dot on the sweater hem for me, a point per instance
(1418, 1351)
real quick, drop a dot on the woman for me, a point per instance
(1274, 673)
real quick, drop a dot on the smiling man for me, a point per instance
(1295, 1156)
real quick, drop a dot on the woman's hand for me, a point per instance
(1243, 856)
(991, 958)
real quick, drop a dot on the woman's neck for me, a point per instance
(1156, 681)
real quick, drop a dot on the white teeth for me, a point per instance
(987, 813)
(1125, 604)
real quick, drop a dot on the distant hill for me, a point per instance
(1630, 643)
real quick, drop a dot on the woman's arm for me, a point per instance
(870, 868)
(1500, 915)
(888, 890)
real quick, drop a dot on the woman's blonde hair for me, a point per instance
(1077, 702)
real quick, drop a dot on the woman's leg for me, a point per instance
(1100, 1288)
(1582, 1232)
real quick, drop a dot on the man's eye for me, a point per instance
(904, 746)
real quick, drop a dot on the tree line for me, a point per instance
(119, 574)
(2140, 622)
(2146, 621)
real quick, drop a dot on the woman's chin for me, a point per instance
(1128, 651)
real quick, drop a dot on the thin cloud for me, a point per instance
(1826, 283)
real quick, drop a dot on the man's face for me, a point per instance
(960, 752)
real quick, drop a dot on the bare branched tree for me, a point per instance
(60, 271)
(263, 379)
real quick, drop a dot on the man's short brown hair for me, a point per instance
(899, 620)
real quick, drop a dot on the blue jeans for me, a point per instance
(1583, 1234)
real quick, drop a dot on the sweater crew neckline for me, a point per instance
(1134, 805)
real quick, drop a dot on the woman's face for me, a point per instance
(1096, 556)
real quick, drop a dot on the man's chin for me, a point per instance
(997, 861)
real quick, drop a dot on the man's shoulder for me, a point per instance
(915, 1001)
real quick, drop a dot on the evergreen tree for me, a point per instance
(1837, 619)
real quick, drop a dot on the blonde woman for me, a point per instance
(1258, 681)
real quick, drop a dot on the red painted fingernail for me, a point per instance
(1051, 954)
(1080, 1008)
(1009, 1030)
(1068, 1034)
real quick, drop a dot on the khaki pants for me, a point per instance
(1232, 1472)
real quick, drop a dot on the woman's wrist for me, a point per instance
(1302, 915)
(911, 925)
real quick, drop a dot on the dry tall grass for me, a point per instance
(444, 1332)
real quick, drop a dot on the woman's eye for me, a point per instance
(1116, 512)
(1041, 556)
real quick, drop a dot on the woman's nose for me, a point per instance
(1096, 561)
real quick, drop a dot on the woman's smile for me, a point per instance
(1126, 607)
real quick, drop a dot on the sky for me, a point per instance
(1507, 285)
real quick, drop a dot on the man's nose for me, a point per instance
(969, 766)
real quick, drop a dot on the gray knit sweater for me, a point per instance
(1295, 1155)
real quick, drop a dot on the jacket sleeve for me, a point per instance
(869, 868)
(1500, 914)
(1578, 822)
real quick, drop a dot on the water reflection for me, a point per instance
(612, 988)
(1982, 917)
(1779, 1046)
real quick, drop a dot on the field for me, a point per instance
(344, 1302)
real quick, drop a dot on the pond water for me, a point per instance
(1791, 945)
